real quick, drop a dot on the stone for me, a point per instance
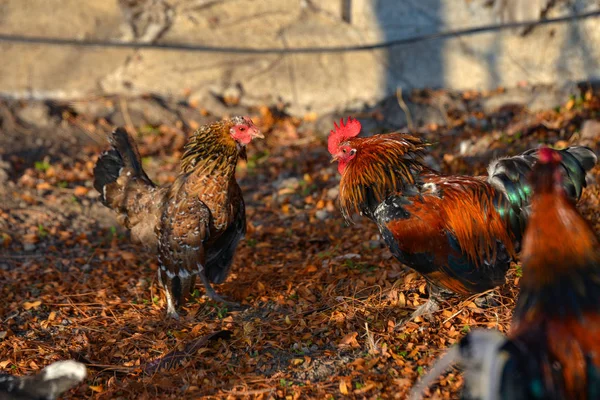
(36, 114)
(590, 133)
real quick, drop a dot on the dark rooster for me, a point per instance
(47, 385)
(553, 347)
(196, 222)
(459, 232)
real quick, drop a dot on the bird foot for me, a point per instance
(426, 310)
(487, 301)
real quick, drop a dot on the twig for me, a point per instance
(125, 111)
(404, 107)
(452, 316)
(169, 360)
(249, 392)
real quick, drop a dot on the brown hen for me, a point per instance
(195, 223)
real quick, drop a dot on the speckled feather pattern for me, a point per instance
(182, 221)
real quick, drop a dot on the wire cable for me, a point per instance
(295, 50)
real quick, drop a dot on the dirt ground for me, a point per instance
(327, 303)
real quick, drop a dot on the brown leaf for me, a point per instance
(34, 304)
(349, 340)
(343, 386)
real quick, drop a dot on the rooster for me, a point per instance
(459, 232)
(195, 223)
(47, 385)
(553, 347)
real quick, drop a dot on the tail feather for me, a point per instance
(124, 144)
(510, 176)
(123, 156)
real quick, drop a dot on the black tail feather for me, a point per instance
(123, 154)
(106, 171)
(510, 176)
(124, 144)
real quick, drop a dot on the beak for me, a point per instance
(334, 159)
(257, 134)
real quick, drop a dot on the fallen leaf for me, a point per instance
(349, 340)
(33, 304)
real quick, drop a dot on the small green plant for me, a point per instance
(221, 312)
(149, 129)
(256, 159)
(358, 385)
(420, 370)
(62, 184)
(42, 232)
(518, 271)
(251, 243)
(196, 293)
(155, 299)
(403, 353)
(466, 329)
(42, 166)
(361, 267)
(284, 383)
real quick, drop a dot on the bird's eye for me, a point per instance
(352, 152)
(242, 129)
(344, 151)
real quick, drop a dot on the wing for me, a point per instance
(450, 233)
(220, 253)
(182, 231)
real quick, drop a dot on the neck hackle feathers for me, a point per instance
(213, 144)
(342, 133)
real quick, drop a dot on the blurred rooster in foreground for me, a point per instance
(459, 232)
(47, 385)
(196, 222)
(553, 348)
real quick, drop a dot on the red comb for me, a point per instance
(342, 133)
(546, 155)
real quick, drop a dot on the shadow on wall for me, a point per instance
(406, 64)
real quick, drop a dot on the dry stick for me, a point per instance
(249, 392)
(404, 108)
(128, 122)
(169, 360)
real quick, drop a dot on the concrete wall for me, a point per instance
(318, 82)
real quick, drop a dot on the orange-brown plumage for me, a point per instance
(552, 351)
(196, 222)
(459, 232)
(387, 164)
(558, 312)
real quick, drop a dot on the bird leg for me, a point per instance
(426, 310)
(167, 285)
(211, 293)
(487, 301)
(436, 296)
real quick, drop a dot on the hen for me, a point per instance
(553, 347)
(196, 222)
(47, 385)
(459, 232)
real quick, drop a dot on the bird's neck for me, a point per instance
(363, 191)
(208, 167)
